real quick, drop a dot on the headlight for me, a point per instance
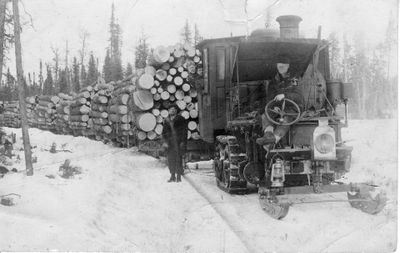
(324, 143)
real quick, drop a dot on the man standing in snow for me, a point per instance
(175, 137)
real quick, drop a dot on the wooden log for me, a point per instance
(165, 95)
(161, 54)
(193, 93)
(146, 81)
(191, 52)
(97, 114)
(164, 113)
(156, 97)
(84, 94)
(160, 90)
(193, 114)
(151, 135)
(165, 66)
(196, 59)
(187, 99)
(87, 88)
(118, 118)
(100, 99)
(159, 118)
(127, 89)
(159, 129)
(141, 135)
(53, 99)
(100, 121)
(179, 94)
(186, 87)
(46, 104)
(153, 90)
(104, 86)
(125, 127)
(198, 52)
(150, 70)
(171, 59)
(181, 104)
(184, 74)
(161, 74)
(178, 64)
(78, 102)
(106, 129)
(79, 118)
(192, 125)
(99, 108)
(121, 99)
(145, 122)
(156, 83)
(169, 78)
(171, 88)
(178, 81)
(118, 109)
(31, 100)
(80, 110)
(185, 114)
(172, 71)
(178, 53)
(77, 124)
(142, 100)
(155, 112)
(172, 98)
(199, 71)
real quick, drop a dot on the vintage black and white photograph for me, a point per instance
(216, 126)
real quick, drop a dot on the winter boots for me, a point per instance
(268, 138)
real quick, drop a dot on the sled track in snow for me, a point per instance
(236, 228)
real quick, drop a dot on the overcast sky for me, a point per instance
(56, 21)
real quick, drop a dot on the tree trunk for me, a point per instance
(3, 6)
(21, 93)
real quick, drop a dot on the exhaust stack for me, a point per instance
(289, 26)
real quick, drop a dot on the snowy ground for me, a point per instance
(121, 202)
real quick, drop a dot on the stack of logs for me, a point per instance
(11, 114)
(128, 110)
(46, 111)
(99, 110)
(169, 77)
(79, 111)
(120, 114)
(63, 113)
(31, 103)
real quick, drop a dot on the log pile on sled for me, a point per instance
(127, 111)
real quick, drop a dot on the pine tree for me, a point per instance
(197, 37)
(48, 83)
(40, 77)
(75, 78)
(92, 71)
(129, 70)
(107, 74)
(63, 81)
(141, 51)
(83, 75)
(115, 48)
(186, 33)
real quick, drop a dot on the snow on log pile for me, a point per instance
(11, 114)
(46, 110)
(79, 112)
(63, 113)
(169, 77)
(31, 103)
(99, 110)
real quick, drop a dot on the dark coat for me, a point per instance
(175, 133)
(281, 85)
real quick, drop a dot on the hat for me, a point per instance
(283, 59)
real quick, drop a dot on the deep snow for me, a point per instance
(121, 201)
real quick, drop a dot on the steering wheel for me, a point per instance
(277, 112)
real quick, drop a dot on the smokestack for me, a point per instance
(289, 26)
